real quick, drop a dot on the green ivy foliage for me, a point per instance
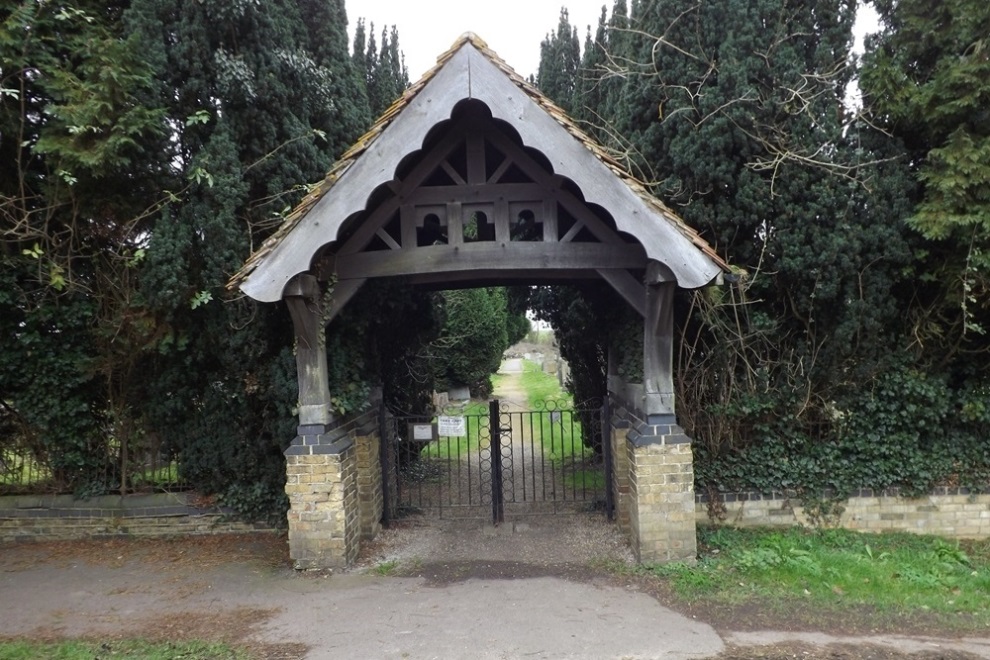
(50, 395)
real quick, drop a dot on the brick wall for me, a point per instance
(61, 517)
(949, 512)
(620, 476)
(369, 483)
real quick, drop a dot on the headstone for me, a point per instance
(459, 393)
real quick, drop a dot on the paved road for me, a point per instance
(354, 615)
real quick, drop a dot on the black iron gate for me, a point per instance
(484, 460)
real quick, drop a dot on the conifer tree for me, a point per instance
(74, 193)
(260, 98)
(560, 57)
(926, 79)
(385, 73)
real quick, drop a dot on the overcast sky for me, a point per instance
(512, 28)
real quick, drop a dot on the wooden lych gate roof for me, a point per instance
(367, 173)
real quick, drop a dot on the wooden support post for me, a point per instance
(302, 295)
(658, 345)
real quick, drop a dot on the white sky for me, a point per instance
(512, 28)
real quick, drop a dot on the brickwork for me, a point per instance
(369, 484)
(328, 513)
(323, 508)
(661, 493)
(620, 477)
(654, 478)
(63, 518)
(953, 513)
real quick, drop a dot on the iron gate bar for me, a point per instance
(495, 423)
(606, 431)
(496, 464)
(383, 447)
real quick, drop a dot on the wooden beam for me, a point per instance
(303, 299)
(477, 192)
(487, 255)
(452, 173)
(627, 287)
(658, 349)
(572, 232)
(388, 240)
(475, 157)
(501, 220)
(500, 170)
(455, 224)
(550, 220)
(342, 293)
(407, 224)
(476, 278)
(575, 206)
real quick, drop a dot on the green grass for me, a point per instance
(542, 387)
(585, 480)
(560, 437)
(386, 568)
(21, 469)
(557, 429)
(832, 569)
(124, 650)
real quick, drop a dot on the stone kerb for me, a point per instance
(661, 502)
(326, 507)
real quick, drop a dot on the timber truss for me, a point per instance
(475, 206)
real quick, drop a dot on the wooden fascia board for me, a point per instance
(375, 166)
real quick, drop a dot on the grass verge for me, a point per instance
(828, 571)
(124, 650)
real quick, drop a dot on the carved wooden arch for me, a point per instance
(475, 205)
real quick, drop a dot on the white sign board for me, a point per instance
(422, 431)
(452, 427)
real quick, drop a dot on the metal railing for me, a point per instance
(147, 470)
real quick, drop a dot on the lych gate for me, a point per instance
(474, 178)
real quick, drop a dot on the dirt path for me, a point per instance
(531, 477)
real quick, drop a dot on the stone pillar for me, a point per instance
(321, 463)
(661, 494)
(321, 482)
